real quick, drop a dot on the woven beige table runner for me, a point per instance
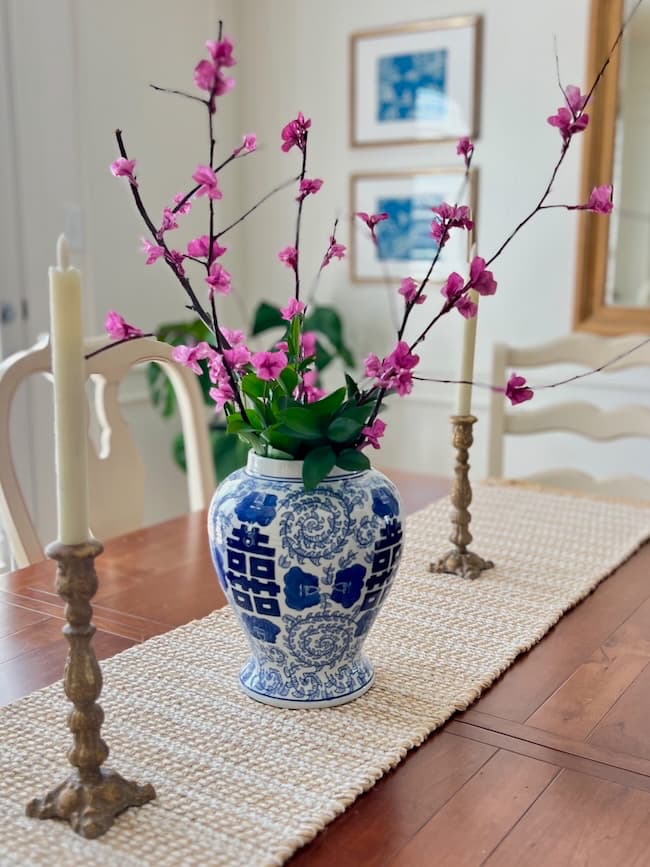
(240, 783)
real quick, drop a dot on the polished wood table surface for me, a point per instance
(550, 767)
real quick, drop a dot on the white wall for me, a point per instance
(294, 56)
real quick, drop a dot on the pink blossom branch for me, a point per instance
(179, 93)
(117, 343)
(261, 201)
(303, 171)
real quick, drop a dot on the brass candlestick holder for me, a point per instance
(92, 796)
(461, 561)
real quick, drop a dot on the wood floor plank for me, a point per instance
(387, 816)
(580, 821)
(473, 822)
(595, 686)
(626, 728)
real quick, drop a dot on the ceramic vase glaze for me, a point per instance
(306, 574)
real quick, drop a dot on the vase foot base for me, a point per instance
(306, 704)
(466, 564)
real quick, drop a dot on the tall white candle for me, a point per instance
(70, 423)
(467, 361)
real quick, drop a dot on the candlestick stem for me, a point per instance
(92, 796)
(460, 560)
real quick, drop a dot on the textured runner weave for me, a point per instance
(240, 783)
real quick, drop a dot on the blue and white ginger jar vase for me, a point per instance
(306, 574)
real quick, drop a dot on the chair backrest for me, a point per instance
(118, 467)
(582, 418)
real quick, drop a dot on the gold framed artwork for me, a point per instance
(416, 82)
(405, 246)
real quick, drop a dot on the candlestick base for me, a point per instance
(467, 564)
(92, 796)
(459, 560)
(90, 807)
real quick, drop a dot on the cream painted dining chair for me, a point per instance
(582, 418)
(118, 467)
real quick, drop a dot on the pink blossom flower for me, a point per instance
(237, 357)
(168, 221)
(572, 119)
(308, 343)
(517, 391)
(450, 217)
(283, 345)
(153, 251)
(373, 433)
(123, 168)
(175, 259)
(333, 251)
(216, 370)
(219, 280)
(269, 365)
(311, 391)
(372, 365)
(206, 178)
(204, 75)
(295, 133)
(221, 51)
(402, 358)
(118, 328)
(234, 337)
(395, 370)
(574, 99)
(289, 255)
(222, 395)
(409, 289)
(248, 145)
(308, 186)
(600, 200)
(186, 207)
(402, 382)
(198, 248)
(465, 148)
(452, 288)
(466, 307)
(293, 308)
(189, 356)
(480, 279)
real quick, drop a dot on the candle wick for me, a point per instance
(62, 254)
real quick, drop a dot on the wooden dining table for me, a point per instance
(551, 766)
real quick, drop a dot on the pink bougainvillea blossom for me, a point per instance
(289, 255)
(198, 247)
(371, 221)
(221, 51)
(123, 168)
(153, 251)
(269, 365)
(169, 221)
(516, 390)
(449, 217)
(118, 328)
(207, 180)
(237, 357)
(248, 145)
(234, 337)
(395, 370)
(219, 280)
(294, 308)
(599, 202)
(371, 365)
(310, 390)
(465, 148)
(572, 119)
(334, 251)
(373, 433)
(466, 307)
(222, 395)
(574, 99)
(409, 289)
(189, 356)
(481, 279)
(295, 133)
(186, 207)
(453, 287)
(175, 259)
(208, 76)
(308, 186)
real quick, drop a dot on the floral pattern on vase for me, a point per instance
(306, 574)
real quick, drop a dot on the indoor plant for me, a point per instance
(306, 540)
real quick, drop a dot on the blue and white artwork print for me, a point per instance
(406, 235)
(412, 86)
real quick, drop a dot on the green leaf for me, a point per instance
(353, 388)
(323, 357)
(288, 380)
(267, 316)
(317, 465)
(253, 386)
(328, 322)
(303, 421)
(343, 429)
(178, 452)
(357, 413)
(229, 453)
(283, 439)
(351, 459)
(293, 337)
(328, 405)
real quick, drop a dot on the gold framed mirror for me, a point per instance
(612, 294)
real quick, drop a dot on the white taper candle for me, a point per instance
(70, 424)
(467, 358)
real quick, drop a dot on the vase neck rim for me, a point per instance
(285, 469)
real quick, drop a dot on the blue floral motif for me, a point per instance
(314, 527)
(348, 584)
(263, 630)
(257, 507)
(301, 589)
(319, 639)
(384, 503)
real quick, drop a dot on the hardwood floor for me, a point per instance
(550, 767)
